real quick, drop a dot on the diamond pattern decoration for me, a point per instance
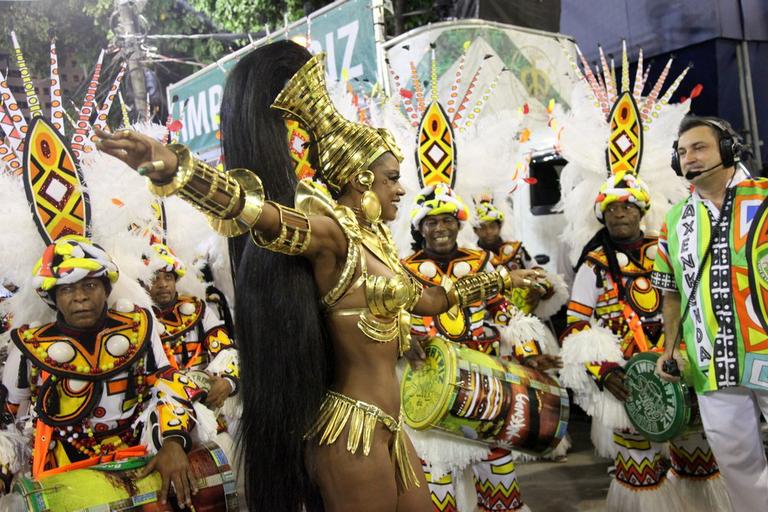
(436, 152)
(626, 140)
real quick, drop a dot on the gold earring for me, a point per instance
(369, 203)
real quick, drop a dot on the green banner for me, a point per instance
(344, 30)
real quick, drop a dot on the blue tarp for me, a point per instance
(704, 33)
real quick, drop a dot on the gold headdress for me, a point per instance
(343, 148)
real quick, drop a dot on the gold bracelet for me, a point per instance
(450, 292)
(506, 278)
(242, 189)
(253, 205)
(181, 179)
(477, 287)
(295, 233)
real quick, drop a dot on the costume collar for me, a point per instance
(80, 334)
(494, 247)
(442, 260)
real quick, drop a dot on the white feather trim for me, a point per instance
(445, 452)
(523, 328)
(14, 449)
(547, 308)
(464, 486)
(13, 503)
(222, 360)
(622, 498)
(157, 131)
(602, 440)
(191, 238)
(20, 248)
(232, 409)
(594, 344)
(206, 424)
(701, 493)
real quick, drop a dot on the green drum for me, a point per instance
(115, 486)
(484, 398)
(658, 409)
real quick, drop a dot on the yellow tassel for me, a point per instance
(404, 468)
(337, 410)
(356, 428)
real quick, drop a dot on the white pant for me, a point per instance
(731, 420)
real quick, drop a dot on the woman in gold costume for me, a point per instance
(321, 424)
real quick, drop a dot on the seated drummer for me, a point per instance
(193, 336)
(435, 224)
(96, 381)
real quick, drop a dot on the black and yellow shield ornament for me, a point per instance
(436, 149)
(626, 141)
(53, 184)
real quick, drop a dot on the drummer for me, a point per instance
(543, 301)
(193, 336)
(87, 410)
(435, 224)
(614, 313)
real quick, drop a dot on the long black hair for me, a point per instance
(285, 352)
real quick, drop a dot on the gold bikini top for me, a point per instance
(388, 298)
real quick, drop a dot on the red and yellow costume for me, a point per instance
(96, 393)
(195, 339)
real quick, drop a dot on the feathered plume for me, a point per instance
(585, 135)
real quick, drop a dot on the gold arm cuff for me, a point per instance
(249, 215)
(506, 278)
(417, 292)
(477, 287)
(450, 292)
(232, 201)
(295, 233)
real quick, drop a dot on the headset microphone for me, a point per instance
(695, 174)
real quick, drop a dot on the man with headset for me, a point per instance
(712, 265)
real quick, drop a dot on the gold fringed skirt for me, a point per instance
(337, 410)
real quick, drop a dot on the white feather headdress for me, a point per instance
(118, 197)
(588, 133)
(482, 144)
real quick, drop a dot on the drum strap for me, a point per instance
(43, 438)
(636, 327)
(338, 410)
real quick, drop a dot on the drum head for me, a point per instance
(658, 409)
(427, 393)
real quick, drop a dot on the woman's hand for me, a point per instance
(415, 355)
(148, 156)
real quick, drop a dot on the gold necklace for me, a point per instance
(381, 246)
